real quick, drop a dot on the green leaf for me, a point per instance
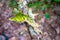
(56, 0)
(13, 4)
(20, 17)
(34, 4)
(47, 16)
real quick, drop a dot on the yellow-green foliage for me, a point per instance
(20, 17)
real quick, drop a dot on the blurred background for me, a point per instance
(48, 18)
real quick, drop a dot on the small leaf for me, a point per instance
(13, 4)
(47, 16)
